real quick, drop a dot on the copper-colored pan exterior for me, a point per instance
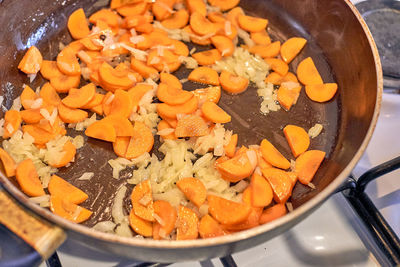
(338, 41)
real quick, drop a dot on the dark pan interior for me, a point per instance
(336, 43)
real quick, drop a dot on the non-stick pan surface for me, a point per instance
(337, 42)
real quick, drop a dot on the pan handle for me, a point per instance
(25, 238)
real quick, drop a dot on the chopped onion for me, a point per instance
(136, 39)
(251, 154)
(10, 128)
(166, 131)
(32, 77)
(145, 200)
(109, 100)
(117, 210)
(192, 50)
(228, 27)
(315, 130)
(240, 186)
(16, 104)
(86, 176)
(258, 171)
(311, 185)
(138, 54)
(159, 219)
(82, 54)
(43, 201)
(105, 226)
(289, 206)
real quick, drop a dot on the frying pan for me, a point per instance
(344, 52)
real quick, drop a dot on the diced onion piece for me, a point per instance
(315, 130)
(86, 176)
(117, 210)
(251, 154)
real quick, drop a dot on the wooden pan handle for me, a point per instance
(41, 235)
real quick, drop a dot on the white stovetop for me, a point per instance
(332, 235)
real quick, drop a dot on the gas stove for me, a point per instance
(336, 234)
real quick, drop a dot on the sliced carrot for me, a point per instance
(71, 115)
(28, 178)
(167, 215)
(12, 122)
(164, 125)
(208, 227)
(201, 25)
(172, 122)
(226, 29)
(102, 130)
(261, 37)
(261, 162)
(321, 92)
(196, 6)
(216, 17)
(8, 163)
(223, 44)
(226, 211)
(277, 65)
(79, 97)
(50, 95)
(207, 57)
(191, 125)
(180, 48)
(236, 168)
(212, 94)
(120, 145)
(297, 138)
(143, 69)
(40, 135)
(252, 24)
(230, 148)
(266, 51)
(193, 189)
(307, 165)
(232, 83)
(187, 224)
(261, 191)
(122, 104)
(76, 46)
(31, 116)
(107, 15)
(169, 61)
(251, 221)
(107, 102)
(115, 78)
(77, 24)
(27, 97)
(68, 210)
(293, 177)
(67, 62)
(137, 92)
(31, 62)
(273, 156)
(195, 38)
(162, 9)
(133, 9)
(214, 113)
(233, 14)
(172, 95)
(178, 20)
(273, 213)
(142, 141)
(291, 48)
(142, 201)
(307, 73)
(63, 83)
(122, 126)
(60, 187)
(140, 226)
(168, 111)
(49, 69)
(96, 100)
(280, 182)
(97, 109)
(89, 43)
(170, 80)
(224, 4)
(288, 93)
(69, 150)
(277, 79)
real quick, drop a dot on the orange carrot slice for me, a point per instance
(60, 187)
(201, 25)
(208, 227)
(49, 69)
(164, 125)
(142, 201)
(223, 44)
(68, 210)
(142, 141)
(226, 211)
(233, 15)
(140, 226)
(71, 115)
(122, 104)
(40, 135)
(137, 92)
(102, 130)
(187, 224)
(77, 24)
(230, 148)
(12, 122)
(178, 20)
(193, 189)
(191, 125)
(207, 57)
(172, 95)
(196, 39)
(180, 48)
(115, 78)
(162, 9)
(133, 9)
(50, 95)
(214, 113)
(31, 62)
(168, 111)
(280, 182)
(79, 97)
(63, 83)
(277, 65)
(321, 92)
(27, 97)
(167, 218)
(297, 138)
(120, 145)
(96, 100)
(291, 48)
(266, 51)
(122, 126)
(216, 17)
(307, 73)
(106, 15)
(204, 75)
(212, 94)
(236, 168)
(28, 178)
(67, 62)
(261, 37)
(273, 213)
(107, 102)
(232, 83)
(277, 79)
(261, 191)
(273, 156)
(224, 4)
(143, 69)
(170, 80)
(252, 24)
(69, 150)
(196, 6)
(307, 165)
(288, 93)
(8, 163)
(251, 221)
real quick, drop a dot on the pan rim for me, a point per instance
(231, 238)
